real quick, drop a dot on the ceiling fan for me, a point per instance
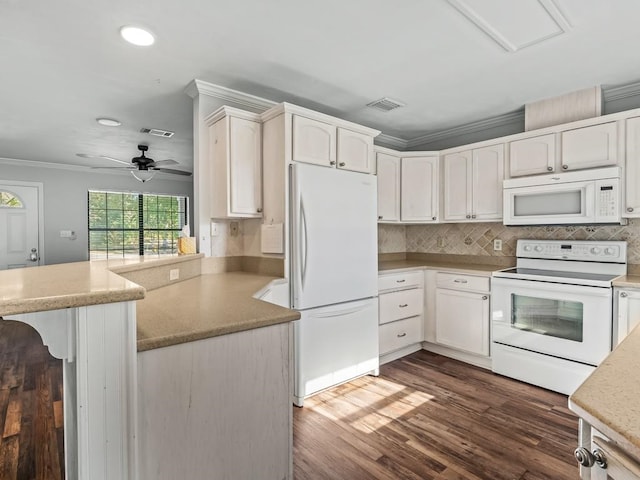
(143, 168)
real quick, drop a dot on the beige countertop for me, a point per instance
(206, 306)
(608, 398)
(631, 281)
(66, 285)
(388, 266)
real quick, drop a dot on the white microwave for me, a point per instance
(581, 197)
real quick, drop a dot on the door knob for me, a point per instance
(565, 167)
(332, 162)
(341, 164)
(550, 169)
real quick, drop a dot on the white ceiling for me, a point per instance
(62, 64)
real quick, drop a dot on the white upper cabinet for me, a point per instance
(531, 156)
(313, 141)
(473, 184)
(388, 188)
(235, 151)
(419, 189)
(588, 147)
(632, 193)
(355, 151)
(324, 144)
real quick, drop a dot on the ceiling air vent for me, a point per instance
(157, 132)
(385, 104)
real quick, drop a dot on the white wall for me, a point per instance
(65, 200)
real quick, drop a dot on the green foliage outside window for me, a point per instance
(132, 224)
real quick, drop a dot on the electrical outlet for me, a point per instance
(440, 242)
(233, 228)
(214, 229)
(497, 245)
(174, 274)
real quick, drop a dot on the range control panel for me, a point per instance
(583, 250)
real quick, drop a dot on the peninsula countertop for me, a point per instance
(65, 285)
(206, 306)
(608, 398)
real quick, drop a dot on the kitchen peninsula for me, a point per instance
(179, 391)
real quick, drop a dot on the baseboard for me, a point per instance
(477, 360)
(396, 354)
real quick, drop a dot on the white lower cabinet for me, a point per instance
(457, 318)
(628, 308)
(400, 313)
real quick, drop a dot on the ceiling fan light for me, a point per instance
(108, 122)
(137, 36)
(143, 175)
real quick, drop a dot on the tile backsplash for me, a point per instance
(477, 238)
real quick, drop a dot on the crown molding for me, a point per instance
(621, 92)
(467, 128)
(81, 168)
(199, 87)
(389, 141)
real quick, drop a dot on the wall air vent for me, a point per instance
(157, 132)
(385, 104)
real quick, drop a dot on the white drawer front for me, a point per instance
(400, 304)
(400, 280)
(462, 281)
(400, 334)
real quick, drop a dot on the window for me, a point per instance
(9, 200)
(132, 224)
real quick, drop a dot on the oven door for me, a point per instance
(567, 321)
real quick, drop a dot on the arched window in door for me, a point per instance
(9, 200)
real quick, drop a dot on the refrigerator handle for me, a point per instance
(303, 243)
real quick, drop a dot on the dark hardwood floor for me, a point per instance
(31, 423)
(430, 417)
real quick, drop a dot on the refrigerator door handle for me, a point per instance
(339, 313)
(303, 244)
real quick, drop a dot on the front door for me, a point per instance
(19, 222)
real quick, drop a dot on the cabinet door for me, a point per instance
(419, 189)
(487, 175)
(314, 141)
(245, 176)
(355, 151)
(531, 156)
(588, 147)
(632, 177)
(457, 186)
(628, 313)
(388, 188)
(462, 320)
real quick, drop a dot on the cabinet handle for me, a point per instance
(623, 294)
(468, 216)
(565, 167)
(332, 162)
(485, 297)
(259, 209)
(404, 305)
(459, 280)
(341, 164)
(433, 218)
(379, 217)
(400, 335)
(473, 216)
(400, 281)
(549, 169)
(629, 209)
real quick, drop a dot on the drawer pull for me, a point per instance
(400, 281)
(459, 280)
(485, 297)
(403, 305)
(400, 335)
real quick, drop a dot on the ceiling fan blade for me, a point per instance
(163, 162)
(112, 168)
(171, 170)
(104, 157)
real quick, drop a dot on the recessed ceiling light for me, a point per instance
(109, 122)
(137, 36)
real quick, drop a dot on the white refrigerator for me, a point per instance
(334, 272)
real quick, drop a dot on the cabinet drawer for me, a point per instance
(401, 304)
(400, 334)
(400, 280)
(462, 281)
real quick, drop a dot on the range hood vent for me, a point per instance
(385, 104)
